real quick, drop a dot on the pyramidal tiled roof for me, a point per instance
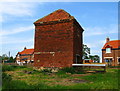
(57, 15)
(113, 44)
(27, 51)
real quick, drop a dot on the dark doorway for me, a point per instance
(77, 58)
(109, 62)
(119, 61)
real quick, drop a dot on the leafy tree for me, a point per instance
(86, 51)
(91, 57)
(4, 57)
(96, 58)
(86, 54)
(0, 59)
(11, 59)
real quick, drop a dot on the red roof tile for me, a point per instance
(113, 44)
(27, 51)
(55, 16)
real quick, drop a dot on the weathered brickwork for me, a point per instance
(57, 42)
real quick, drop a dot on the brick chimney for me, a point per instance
(107, 39)
(25, 48)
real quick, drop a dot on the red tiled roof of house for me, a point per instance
(113, 44)
(27, 51)
(55, 16)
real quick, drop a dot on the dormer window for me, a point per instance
(108, 50)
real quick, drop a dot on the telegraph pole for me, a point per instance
(9, 54)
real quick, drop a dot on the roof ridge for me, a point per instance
(30, 48)
(56, 15)
(113, 43)
(114, 40)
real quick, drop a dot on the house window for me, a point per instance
(108, 50)
(106, 60)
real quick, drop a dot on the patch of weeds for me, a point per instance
(12, 67)
(7, 68)
(102, 81)
(72, 70)
(6, 77)
(114, 67)
(17, 67)
(17, 84)
(8, 83)
(46, 71)
(63, 76)
(59, 87)
(36, 71)
(41, 85)
(21, 73)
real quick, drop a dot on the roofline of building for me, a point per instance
(58, 21)
(112, 49)
(53, 22)
(114, 40)
(109, 44)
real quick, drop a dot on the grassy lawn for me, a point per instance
(20, 77)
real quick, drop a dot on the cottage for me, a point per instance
(24, 57)
(58, 40)
(111, 52)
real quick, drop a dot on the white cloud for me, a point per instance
(17, 30)
(95, 44)
(9, 40)
(92, 31)
(17, 8)
(95, 52)
(90, 45)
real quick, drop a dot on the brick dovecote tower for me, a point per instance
(58, 40)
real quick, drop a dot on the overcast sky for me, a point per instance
(98, 19)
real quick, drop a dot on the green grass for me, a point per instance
(72, 70)
(11, 67)
(16, 78)
(103, 81)
(114, 67)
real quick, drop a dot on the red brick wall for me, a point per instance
(58, 38)
(78, 41)
(114, 54)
